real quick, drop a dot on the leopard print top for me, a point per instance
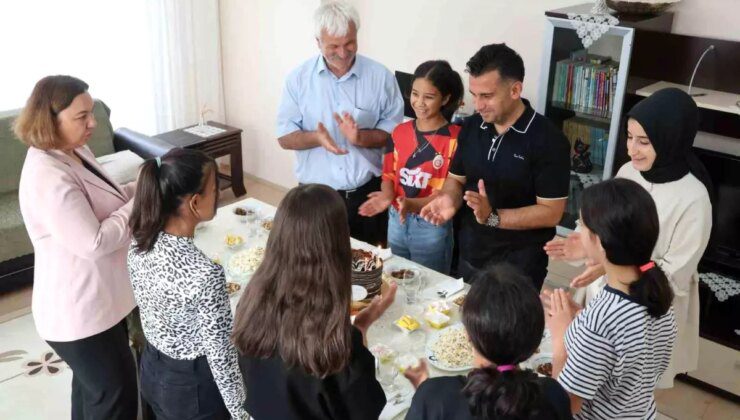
(185, 310)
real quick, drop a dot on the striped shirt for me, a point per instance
(616, 353)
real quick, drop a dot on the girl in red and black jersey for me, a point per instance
(416, 161)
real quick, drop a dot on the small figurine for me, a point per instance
(581, 161)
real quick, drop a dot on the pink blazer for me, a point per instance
(78, 225)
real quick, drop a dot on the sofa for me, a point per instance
(120, 152)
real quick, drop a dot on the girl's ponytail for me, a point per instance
(492, 393)
(146, 218)
(652, 290)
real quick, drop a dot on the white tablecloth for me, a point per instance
(211, 239)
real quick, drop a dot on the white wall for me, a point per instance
(89, 39)
(708, 18)
(263, 40)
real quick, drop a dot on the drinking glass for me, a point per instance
(411, 286)
(387, 373)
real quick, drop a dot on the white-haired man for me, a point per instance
(337, 112)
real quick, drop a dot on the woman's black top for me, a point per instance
(276, 391)
(442, 398)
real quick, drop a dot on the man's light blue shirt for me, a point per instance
(312, 94)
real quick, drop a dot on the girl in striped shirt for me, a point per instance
(610, 357)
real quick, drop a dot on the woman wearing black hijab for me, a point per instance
(660, 135)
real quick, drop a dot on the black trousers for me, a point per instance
(103, 375)
(530, 259)
(373, 230)
(180, 389)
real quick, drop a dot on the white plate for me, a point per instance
(429, 353)
(358, 293)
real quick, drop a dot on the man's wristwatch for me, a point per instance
(493, 220)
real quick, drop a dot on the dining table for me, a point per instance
(211, 237)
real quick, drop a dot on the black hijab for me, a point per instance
(670, 119)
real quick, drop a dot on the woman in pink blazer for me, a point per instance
(77, 219)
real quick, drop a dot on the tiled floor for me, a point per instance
(682, 402)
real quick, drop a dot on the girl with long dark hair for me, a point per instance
(189, 368)
(417, 158)
(504, 321)
(611, 356)
(300, 355)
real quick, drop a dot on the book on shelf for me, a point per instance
(585, 83)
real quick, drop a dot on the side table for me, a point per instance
(228, 142)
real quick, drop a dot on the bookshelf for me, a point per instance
(582, 91)
(656, 59)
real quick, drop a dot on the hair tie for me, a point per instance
(646, 267)
(504, 368)
(159, 161)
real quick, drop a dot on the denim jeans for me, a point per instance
(180, 389)
(421, 241)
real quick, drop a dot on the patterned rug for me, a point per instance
(34, 382)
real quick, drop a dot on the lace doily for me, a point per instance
(592, 26)
(587, 179)
(723, 287)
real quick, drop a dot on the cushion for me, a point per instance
(13, 151)
(15, 241)
(101, 141)
(122, 166)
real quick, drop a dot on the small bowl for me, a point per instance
(455, 299)
(236, 241)
(266, 223)
(639, 8)
(538, 360)
(400, 272)
(246, 214)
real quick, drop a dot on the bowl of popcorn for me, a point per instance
(245, 262)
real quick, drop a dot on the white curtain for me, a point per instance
(155, 63)
(99, 42)
(186, 61)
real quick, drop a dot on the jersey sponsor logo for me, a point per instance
(520, 157)
(414, 178)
